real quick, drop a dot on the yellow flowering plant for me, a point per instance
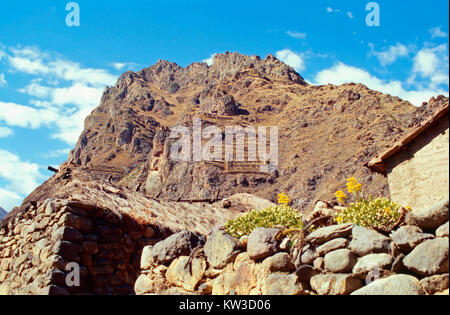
(283, 199)
(377, 213)
(282, 215)
(341, 196)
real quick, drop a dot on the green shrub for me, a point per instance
(279, 215)
(376, 213)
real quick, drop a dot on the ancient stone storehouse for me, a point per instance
(417, 166)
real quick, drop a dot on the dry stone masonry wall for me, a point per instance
(335, 260)
(39, 246)
(118, 255)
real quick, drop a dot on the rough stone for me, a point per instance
(397, 265)
(280, 262)
(146, 257)
(393, 285)
(319, 263)
(340, 261)
(281, 284)
(430, 218)
(143, 285)
(187, 277)
(435, 284)
(179, 244)
(68, 250)
(443, 230)
(225, 283)
(409, 236)
(328, 233)
(309, 254)
(429, 258)
(262, 243)
(366, 241)
(306, 272)
(221, 249)
(335, 284)
(82, 224)
(332, 245)
(371, 261)
(245, 277)
(67, 233)
(205, 288)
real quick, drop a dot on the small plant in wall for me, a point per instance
(280, 215)
(381, 214)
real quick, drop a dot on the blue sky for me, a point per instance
(52, 75)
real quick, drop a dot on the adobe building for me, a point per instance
(417, 166)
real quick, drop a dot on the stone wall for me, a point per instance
(334, 260)
(118, 255)
(38, 244)
(418, 176)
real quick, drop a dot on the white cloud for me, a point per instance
(342, 73)
(391, 54)
(2, 80)
(5, 132)
(22, 178)
(123, 65)
(28, 66)
(56, 153)
(436, 32)
(118, 65)
(35, 89)
(297, 35)
(209, 61)
(432, 63)
(331, 10)
(32, 61)
(350, 15)
(291, 59)
(65, 93)
(26, 117)
(78, 94)
(9, 199)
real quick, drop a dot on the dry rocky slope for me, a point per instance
(119, 192)
(326, 133)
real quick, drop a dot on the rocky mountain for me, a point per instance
(121, 192)
(3, 213)
(326, 132)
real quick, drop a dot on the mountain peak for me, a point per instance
(326, 132)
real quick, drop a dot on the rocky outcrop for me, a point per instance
(127, 137)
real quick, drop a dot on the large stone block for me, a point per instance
(366, 241)
(429, 218)
(221, 249)
(262, 243)
(429, 258)
(179, 244)
(393, 285)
